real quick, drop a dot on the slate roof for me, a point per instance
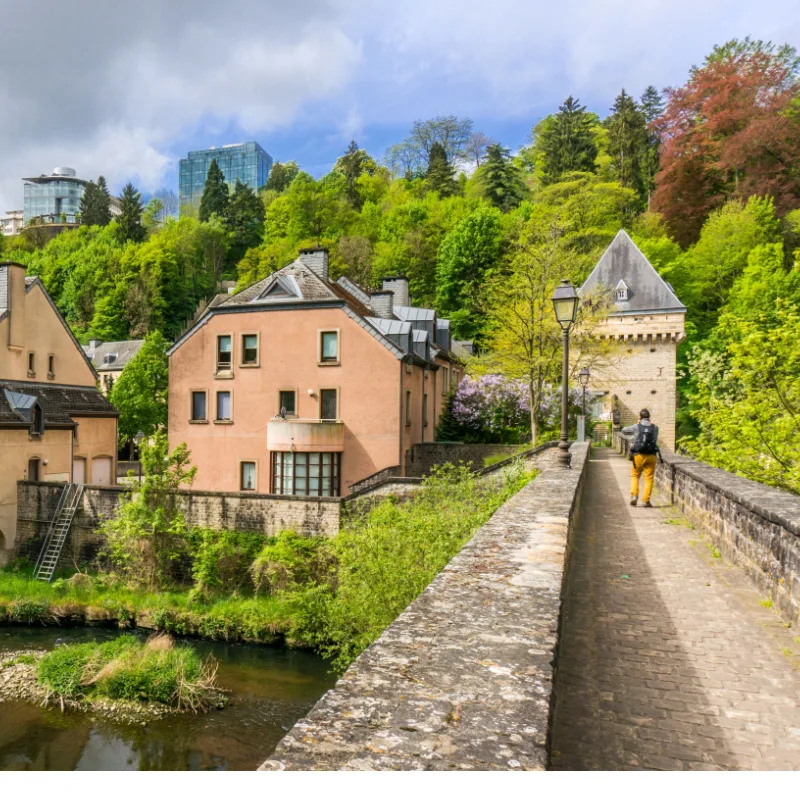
(298, 284)
(59, 403)
(122, 352)
(647, 290)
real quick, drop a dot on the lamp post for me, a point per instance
(583, 377)
(565, 305)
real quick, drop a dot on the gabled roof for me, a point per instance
(113, 355)
(59, 403)
(623, 262)
(297, 285)
(30, 282)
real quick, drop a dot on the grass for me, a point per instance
(766, 602)
(23, 659)
(28, 601)
(127, 669)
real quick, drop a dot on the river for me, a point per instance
(271, 688)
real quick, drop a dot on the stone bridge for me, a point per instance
(576, 632)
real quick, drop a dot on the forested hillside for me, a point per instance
(705, 177)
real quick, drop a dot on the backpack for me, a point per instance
(645, 442)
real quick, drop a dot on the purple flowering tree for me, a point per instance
(494, 408)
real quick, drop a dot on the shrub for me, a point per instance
(221, 559)
(288, 562)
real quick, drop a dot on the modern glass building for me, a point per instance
(51, 196)
(56, 197)
(248, 162)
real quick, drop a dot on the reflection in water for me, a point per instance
(271, 688)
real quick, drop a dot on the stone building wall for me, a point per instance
(754, 526)
(642, 370)
(425, 456)
(37, 501)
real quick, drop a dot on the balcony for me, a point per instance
(305, 435)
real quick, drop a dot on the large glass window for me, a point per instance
(250, 348)
(224, 406)
(198, 406)
(328, 404)
(224, 352)
(307, 474)
(287, 403)
(329, 346)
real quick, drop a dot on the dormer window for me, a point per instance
(621, 292)
(37, 421)
(109, 358)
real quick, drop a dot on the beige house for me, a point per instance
(647, 319)
(300, 385)
(54, 423)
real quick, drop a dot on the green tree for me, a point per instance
(95, 205)
(652, 106)
(500, 179)
(244, 218)
(466, 256)
(567, 142)
(140, 393)
(146, 541)
(439, 177)
(215, 193)
(353, 164)
(281, 175)
(129, 222)
(627, 142)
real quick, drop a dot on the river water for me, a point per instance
(271, 688)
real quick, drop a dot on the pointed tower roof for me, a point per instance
(647, 292)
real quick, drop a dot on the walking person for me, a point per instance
(643, 454)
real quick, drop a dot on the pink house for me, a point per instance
(299, 385)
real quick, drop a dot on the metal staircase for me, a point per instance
(58, 531)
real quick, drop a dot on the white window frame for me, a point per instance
(217, 421)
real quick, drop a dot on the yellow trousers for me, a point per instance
(646, 464)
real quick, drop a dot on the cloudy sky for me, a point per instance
(124, 90)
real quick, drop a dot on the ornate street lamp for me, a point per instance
(583, 377)
(565, 305)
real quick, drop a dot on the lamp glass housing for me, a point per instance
(583, 376)
(565, 304)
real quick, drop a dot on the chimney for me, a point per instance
(95, 343)
(398, 286)
(316, 259)
(382, 304)
(14, 301)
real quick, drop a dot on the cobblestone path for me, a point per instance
(668, 660)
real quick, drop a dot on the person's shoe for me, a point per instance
(647, 505)
(634, 500)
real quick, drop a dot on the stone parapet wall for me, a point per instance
(754, 526)
(463, 678)
(430, 454)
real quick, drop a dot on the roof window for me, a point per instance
(621, 292)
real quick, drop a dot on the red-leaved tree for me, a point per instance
(733, 130)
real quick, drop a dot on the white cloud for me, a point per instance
(106, 88)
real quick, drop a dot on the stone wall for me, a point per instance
(243, 511)
(753, 525)
(425, 456)
(463, 678)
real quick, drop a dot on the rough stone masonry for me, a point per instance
(463, 678)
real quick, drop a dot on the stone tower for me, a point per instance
(648, 319)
